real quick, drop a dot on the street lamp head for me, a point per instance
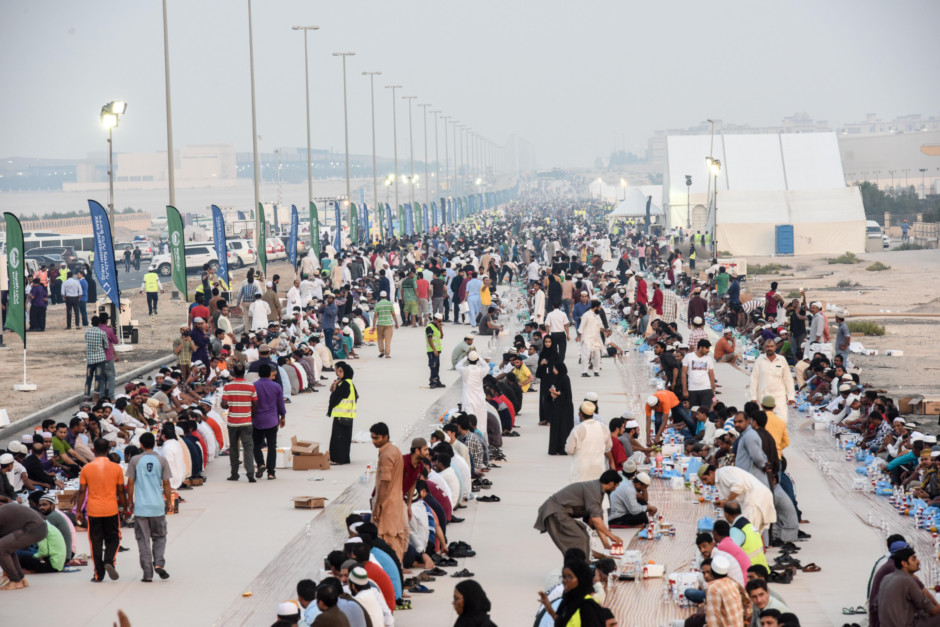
(688, 180)
(108, 120)
(716, 167)
(371, 73)
(393, 87)
(305, 28)
(118, 107)
(344, 54)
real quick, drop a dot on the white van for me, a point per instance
(873, 231)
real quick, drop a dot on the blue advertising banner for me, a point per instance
(409, 219)
(389, 232)
(338, 225)
(105, 267)
(292, 238)
(436, 219)
(366, 224)
(426, 223)
(218, 241)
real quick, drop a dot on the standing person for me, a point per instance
(102, 481)
(136, 255)
(588, 444)
(247, 295)
(771, 377)
(72, 291)
(472, 369)
(439, 295)
(96, 342)
(558, 329)
(559, 408)
(241, 399)
(561, 514)
(434, 335)
(109, 356)
(389, 513)
(269, 414)
(183, 348)
(409, 297)
(83, 300)
(148, 494)
(153, 288)
(698, 376)
(127, 259)
(20, 528)
(772, 301)
(270, 297)
(589, 334)
(843, 339)
(817, 329)
(37, 306)
(382, 320)
(342, 408)
(328, 313)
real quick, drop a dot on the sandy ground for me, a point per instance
(909, 286)
(55, 359)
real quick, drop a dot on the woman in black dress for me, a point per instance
(545, 375)
(559, 409)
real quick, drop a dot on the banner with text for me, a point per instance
(292, 238)
(105, 263)
(16, 275)
(218, 241)
(174, 225)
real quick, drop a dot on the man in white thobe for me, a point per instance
(472, 369)
(589, 334)
(538, 305)
(293, 298)
(588, 445)
(771, 377)
(737, 484)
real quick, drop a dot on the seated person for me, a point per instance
(488, 324)
(625, 509)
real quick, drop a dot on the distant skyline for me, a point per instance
(576, 81)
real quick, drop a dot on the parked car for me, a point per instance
(197, 255)
(64, 253)
(241, 252)
(146, 249)
(275, 249)
(45, 260)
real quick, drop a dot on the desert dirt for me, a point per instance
(55, 358)
(909, 286)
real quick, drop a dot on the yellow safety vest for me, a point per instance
(753, 546)
(151, 282)
(433, 342)
(346, 408)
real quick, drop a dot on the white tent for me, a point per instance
(765, 181)
(634, 205)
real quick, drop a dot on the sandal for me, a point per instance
(462, 573)
(420, 589)
(489, 499)
(811, 568)
(854, 610)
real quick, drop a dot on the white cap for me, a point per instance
(591, 396)
(473, 356)
(632, 424)
(652, 401)
(917, 435)
(627, 415)
(629, 466)
(897, 420)
(5, 459)
(587, 408)
(438, 316)
(930, 439)
(697, 320)
(17, 447)
(720, 565)
(643, 478)
(383, 293)
(287, 608)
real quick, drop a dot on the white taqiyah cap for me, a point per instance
(652, 401)
(473, 357)
(720, 565)
(632, 424)
(591, 396)
(697, 320)
(643, 478)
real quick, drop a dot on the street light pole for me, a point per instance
(427, 174)
(110, 117)
(375, 185)
(454, 124)
(411, 149)
(305, 29)
(254, 138)
(923, 182)
(688, 202)
(395, 136)
(446, 169)
(346, 126)
(437, 161)
(171, 177)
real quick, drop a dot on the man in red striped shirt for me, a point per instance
(241, 399)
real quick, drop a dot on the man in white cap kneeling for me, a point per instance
(626, 510)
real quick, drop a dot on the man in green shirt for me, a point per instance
(63, 452)
(409, 296)
(382, 320)
(721, 281)
(49, 556)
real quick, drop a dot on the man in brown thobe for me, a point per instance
(388, 505)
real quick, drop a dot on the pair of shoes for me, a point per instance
(381, 355)
(233, 477)
(455, 519)
(252, 479)
(803, 535)
(437, 571)
(447, 561)
(585, 375)
(597, 374)
(420, 589)
(492, 498)
(462, 573)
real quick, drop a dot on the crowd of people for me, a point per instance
(578, 280)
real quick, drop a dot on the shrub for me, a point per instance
(847, 284)
(877, 267)
(846, 258)
(770, 268)
(793, 294)
(866, 327)
(908, 246)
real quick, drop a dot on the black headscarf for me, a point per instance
(578, 598)
(476, 605)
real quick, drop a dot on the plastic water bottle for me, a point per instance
(307, 530)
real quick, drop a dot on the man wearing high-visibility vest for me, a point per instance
(152, 286)
(434, 334)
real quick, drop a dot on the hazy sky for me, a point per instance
(571, 77)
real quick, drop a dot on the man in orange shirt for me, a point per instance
(662, 403)
(724, 348)
(103, 481)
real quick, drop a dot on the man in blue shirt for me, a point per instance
(148, 492)
(269, 415)
(83, 299)
(329, 312)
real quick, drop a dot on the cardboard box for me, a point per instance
(65, 500)
(908, 404)
(930, 405)
(303, 447)
(283, 458)
(319, 461)
(309, 502)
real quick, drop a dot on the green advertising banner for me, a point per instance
(353, 224)
(315, 230)
(419, 220)
(174, 225)
(16, 275)
(262, 240)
